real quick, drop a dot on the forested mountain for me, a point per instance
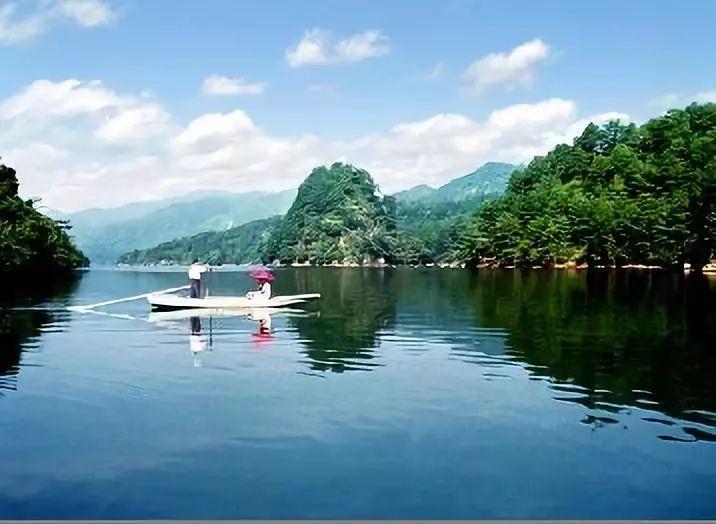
(31, 242)
(338, 216)
(430, 232)
(490, 179)
(619, 194)
(105, 234)
(413, 230)
(238, 245)
(415, 194)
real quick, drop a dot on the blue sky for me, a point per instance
(369, 97)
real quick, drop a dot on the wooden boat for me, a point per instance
(166, 301)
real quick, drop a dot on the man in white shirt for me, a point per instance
(195, 272)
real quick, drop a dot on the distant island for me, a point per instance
(620, 194)
(30, 242)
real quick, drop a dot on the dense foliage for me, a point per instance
(238, 245)
(429, 232)
(338, 216)
(29, 241)
(430, 221)
(619, 194)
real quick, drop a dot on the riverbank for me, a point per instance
(570, 266)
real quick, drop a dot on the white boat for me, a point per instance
(167, 301)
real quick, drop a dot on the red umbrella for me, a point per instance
(261, 274)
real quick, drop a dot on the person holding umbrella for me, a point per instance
(263, 277)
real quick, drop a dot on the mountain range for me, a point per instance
(489, 179)
(340, 216)
(105, 234)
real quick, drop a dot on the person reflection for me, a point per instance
(197, 343)
(263, 318)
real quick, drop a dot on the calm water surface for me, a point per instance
(402, 394)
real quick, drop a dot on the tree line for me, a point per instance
(31, 242)
(621, 193)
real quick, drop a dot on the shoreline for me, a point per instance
(709, 269)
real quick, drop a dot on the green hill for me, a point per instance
(415, 194)
(619, 194)
(339, 215)
(238, 245)
(31, 242)
(105, 234)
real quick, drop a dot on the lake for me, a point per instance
(402, 393)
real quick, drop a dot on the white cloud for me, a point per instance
(435, 73)
(134, 124)
(87, 13)
(318, 47)
(228, 85)
(45, 98)
(310, 50)
(444, 146)
(211, 130)
(14, 28)
(362, 46)
(70, 156)
(82, 106)
(17, 25)
(515, 67)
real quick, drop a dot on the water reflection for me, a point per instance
(198, 342)
(262, 318)
(18, 331)
(611, 342)
(23, 320)
(355, 306)
(618, 345)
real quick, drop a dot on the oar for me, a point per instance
(126, 299)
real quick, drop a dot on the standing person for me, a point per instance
(195, 272)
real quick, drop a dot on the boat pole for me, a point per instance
(126, 299)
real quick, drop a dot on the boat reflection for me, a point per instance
(201, 328)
